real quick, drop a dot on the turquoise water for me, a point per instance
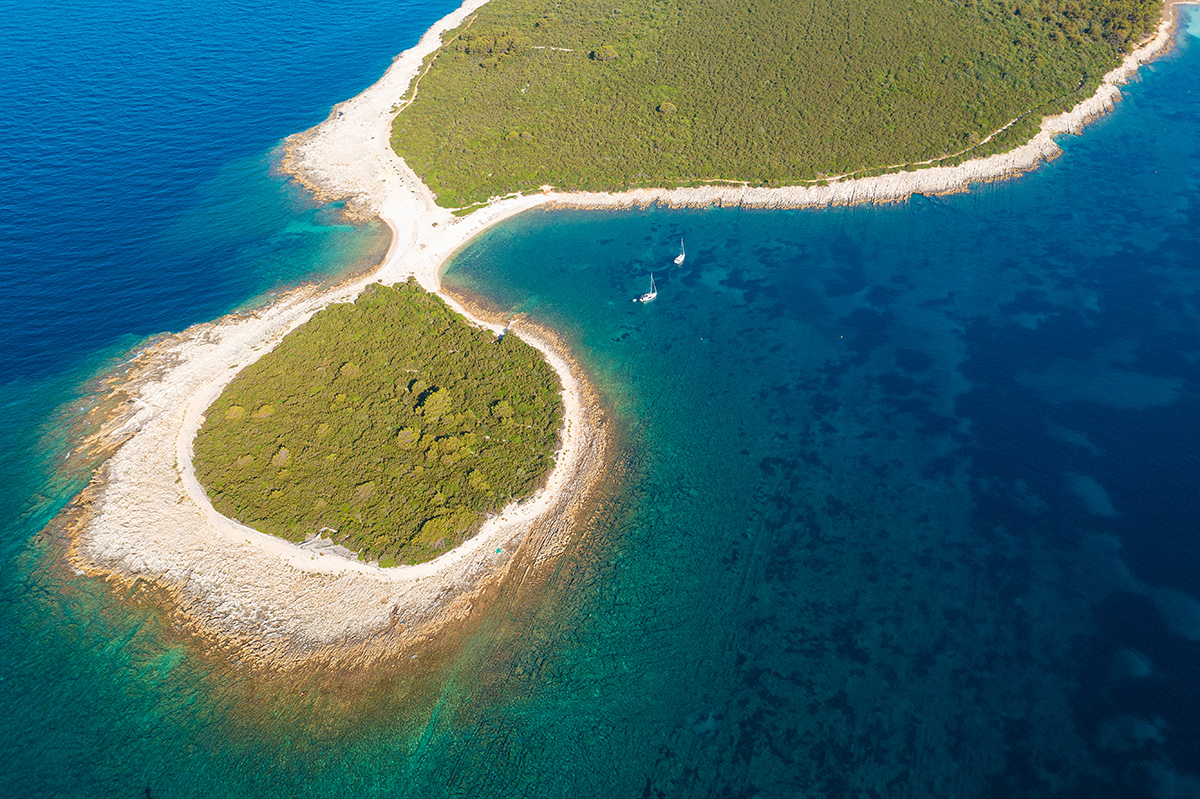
(906, 504)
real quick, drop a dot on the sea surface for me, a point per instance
(907, 502)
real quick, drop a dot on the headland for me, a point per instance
(146, 518)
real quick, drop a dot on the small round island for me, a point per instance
(390, 425)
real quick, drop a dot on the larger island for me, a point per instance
(592, 95)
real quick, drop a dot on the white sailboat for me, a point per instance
(651, 294)
(679, 258)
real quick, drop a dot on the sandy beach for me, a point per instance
(277, 604)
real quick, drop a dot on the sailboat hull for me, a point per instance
(649, 295)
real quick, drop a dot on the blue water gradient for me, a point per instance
(136, 193)
(122, 118)
(906, 504)
(137, 197)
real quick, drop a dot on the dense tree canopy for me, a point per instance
(390, 424)
(572, 93)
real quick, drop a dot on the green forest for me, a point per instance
(390, 425)
(607, 95)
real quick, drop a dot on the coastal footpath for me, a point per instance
(145, 518)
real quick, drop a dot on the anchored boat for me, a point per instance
(651, 294)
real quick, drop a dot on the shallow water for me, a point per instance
(907, 504)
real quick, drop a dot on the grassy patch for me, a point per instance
(391, 424)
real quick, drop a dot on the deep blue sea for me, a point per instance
(907, 502)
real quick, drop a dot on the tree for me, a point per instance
(436, 404)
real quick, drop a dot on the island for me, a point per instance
(388, 425)
(587, 95)
(146, 520)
